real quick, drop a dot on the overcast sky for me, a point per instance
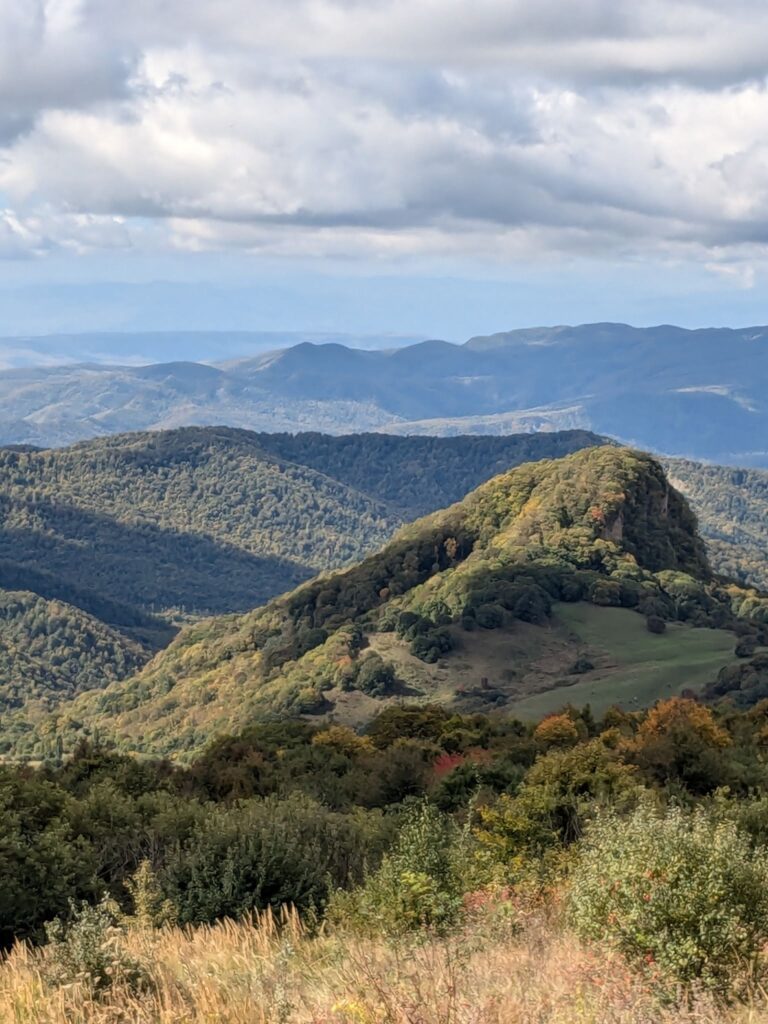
(437, 166)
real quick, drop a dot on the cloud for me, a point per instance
(386, 129)
(51, 57)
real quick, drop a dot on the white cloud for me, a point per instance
(387, 129)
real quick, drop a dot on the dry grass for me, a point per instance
(265, 974)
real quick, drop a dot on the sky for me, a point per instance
(384, 166)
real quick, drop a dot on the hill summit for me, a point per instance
(471, 605)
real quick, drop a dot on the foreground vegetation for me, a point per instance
(277, 974)
(438, 869)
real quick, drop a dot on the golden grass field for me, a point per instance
(275, 974)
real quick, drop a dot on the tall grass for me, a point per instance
(271, 972)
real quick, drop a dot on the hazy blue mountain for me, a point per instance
(139, 347)
(690, 393)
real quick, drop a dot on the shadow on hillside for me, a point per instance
(88, 558)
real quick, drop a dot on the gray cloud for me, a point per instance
(385, 128)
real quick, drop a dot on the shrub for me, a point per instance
(683, 895)
(489, 616)
(409, 625)
(533, 605)
(580, 666)
(561, 792)
(745, 648)
(420, 882)
(429, 646)
(681, 739)
(557, 731)
(416, 722)
(655, 624)
(150, 907)
(375, 676)
(86, 948)
(260, 854)
(605, 593)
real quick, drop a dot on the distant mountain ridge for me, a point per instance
(140, 347)
(693, 393)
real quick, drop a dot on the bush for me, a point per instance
(580, 666)
(86, 948)
(533, 605)
(260, 854)
(410, 625)
(605, 593)
(375, 676)
(489, 616)
(429, 646)
(560, 793)
(746, 647)
(655, 624)
(150, 907)
(682, 895)
(420, 883)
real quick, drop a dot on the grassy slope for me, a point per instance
(528, 666)
(633, 668)
(235, 973)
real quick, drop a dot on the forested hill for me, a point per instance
(452, 610)
(200, 521)
(417, 475)
(209, 520)
(115, 539)
(105, 544)
(697, 394)
(732, 506)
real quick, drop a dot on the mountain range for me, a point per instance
(138, 348)
(698, 394)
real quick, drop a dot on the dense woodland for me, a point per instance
(51, 651)
(211, 520)
(732, 507)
